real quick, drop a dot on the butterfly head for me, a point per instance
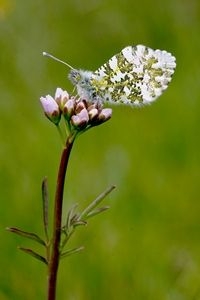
(74, 76)
(82, 80)
(79, 77)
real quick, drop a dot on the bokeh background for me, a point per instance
(147, 246)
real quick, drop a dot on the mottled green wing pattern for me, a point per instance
(135, 76)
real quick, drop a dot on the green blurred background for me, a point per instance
(147, 246)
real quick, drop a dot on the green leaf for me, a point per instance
(71, 251)
(34, 254)
(79, 223)
(45, 202)
(97, 211)
(28, 235)
(95, 203)
(70, 216)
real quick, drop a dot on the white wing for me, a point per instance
(136, 75)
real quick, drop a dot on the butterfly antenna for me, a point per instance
(57, 59)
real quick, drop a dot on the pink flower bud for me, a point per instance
(61, 97)
(93, 114)
(68, 108)
(80, 106)
(105, 114)
(81, 119)
(51, 109)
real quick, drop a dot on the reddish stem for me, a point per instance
(54, 259)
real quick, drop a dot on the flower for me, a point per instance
(81, 119)
(61, 97)
(69, 108)
(51, 109)
(79, 113)
(93, 114)
(105, 114)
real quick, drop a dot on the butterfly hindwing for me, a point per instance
(136, 75)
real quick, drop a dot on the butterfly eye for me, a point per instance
(84, 81)
(74, 76)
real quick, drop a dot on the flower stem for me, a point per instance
(60, 134)
(57, 222)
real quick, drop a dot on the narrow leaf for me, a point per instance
(27, 235)
(70, 216)
(80, 223)
(71, 251)
(45, 202)
(34, 254)
(96, 202)
(97, 211)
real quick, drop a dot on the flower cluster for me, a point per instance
(79, 113)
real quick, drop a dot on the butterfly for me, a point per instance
(137, 75)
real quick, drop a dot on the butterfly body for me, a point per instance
(82, 80)
(135, 76)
